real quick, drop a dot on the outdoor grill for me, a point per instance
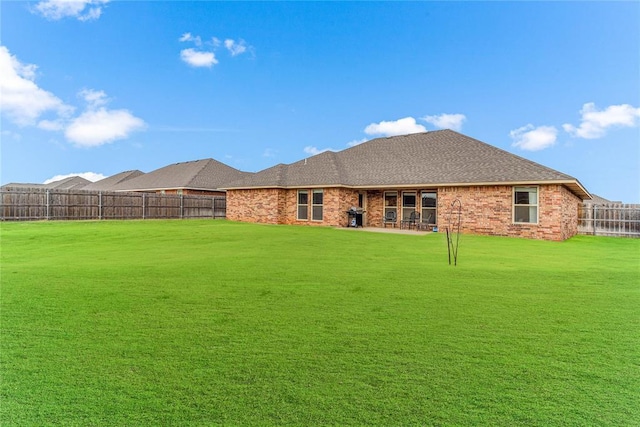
(354, 217)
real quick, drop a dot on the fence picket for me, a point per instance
(28, 204)
(610, 219)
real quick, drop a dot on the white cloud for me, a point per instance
(94, 98)
(21, 98)
(25, 104)
(531, 138)
(446, 121)
(91, 176)
(83, 10)
(392, 128)
(101, 126)
(235, 48)
(51, 125)
(595, 123)
(315, 150)
(198, 58)
(187, 37)
(269, 152)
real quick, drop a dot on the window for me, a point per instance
(525, 205)
(429, 206)
(390, 202)
(303, 204)
(316, 214)
(408, 204)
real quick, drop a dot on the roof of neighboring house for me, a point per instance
(437, 158)
(22, 185)
(71, 183)
(598, 200)
(206, 174)
(108, 183)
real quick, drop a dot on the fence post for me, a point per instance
(100, 205)
(143, 205)
(48, 204)
(181, 207)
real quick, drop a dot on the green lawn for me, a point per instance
(184, 323)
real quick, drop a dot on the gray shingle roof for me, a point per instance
(598, 200)
(435, 158)
(206, 174)
(71, 183)
(22, 185)
(110, 182)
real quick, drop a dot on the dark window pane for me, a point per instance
(317, 197)
(303, 198)
(317, 213)
(391, 199)
(428, 200)
(302, 212)
(409, 200)
(523, 214)
(522, 197)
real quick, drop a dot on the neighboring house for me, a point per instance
(203, 177)
(597, 200)
(501, 193)
(107, 184)
(71, 183)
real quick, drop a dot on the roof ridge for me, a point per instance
(205, 163)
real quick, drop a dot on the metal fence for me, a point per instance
(612, 219)
(29, 204)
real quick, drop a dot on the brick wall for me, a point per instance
(375, 208)
(263, 205)
(488, 210)
(485, 210)
(279, 206)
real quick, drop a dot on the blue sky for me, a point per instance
(97, 87)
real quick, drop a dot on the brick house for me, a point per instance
(501, 193)
(201, 177)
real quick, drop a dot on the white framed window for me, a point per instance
(429, 206)
(408, 204)
(317, 205)
(525, 205)
(390, 203)
(303, 204)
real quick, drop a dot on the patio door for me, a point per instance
(408, 203)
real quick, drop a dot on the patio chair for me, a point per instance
(410, 222)
(389, 218)
(427, 223)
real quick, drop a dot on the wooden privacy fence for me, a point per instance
(611, 219)
(24, 204)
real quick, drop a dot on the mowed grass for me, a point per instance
(191, 323)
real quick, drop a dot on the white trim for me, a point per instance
(385, 207)
(298, 205)
(415, 203)
(536, 205)
(313, 205)
(435, 208)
